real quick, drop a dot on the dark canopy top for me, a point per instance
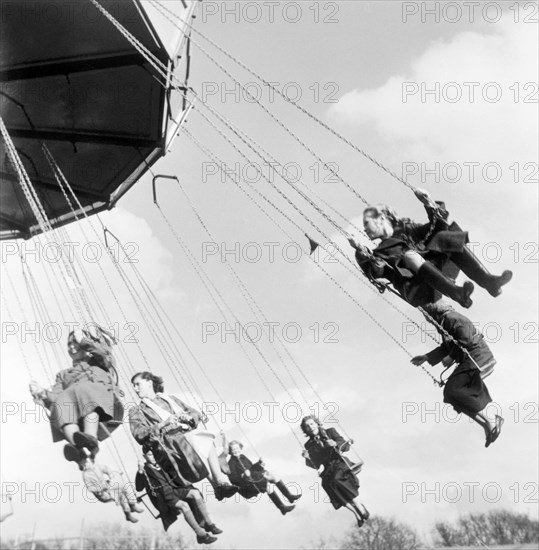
(88, 94)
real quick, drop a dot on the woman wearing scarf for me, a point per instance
(166, 425)
(324, 448)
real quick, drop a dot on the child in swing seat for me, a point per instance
(108, 485)
(253, 479)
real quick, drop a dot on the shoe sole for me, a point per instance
(82, 440)
(72, 454)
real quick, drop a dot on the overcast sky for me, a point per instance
(447, 99)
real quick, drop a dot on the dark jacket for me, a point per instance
(162, 491)
(320, 454)
(248, 487)
(463, 331)
(435, 241)
(338, 480)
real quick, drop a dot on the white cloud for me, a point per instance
(464, 129)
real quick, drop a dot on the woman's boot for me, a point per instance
(286, 492)
(285, 508)
(476, 271)
(431, 276)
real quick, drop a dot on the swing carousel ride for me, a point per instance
(97, 101)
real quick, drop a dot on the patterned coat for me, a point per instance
(172, 447)
(89, 385)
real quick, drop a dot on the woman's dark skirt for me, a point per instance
(465, 389)
(259, 484)
(341, 485)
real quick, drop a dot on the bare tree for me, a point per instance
(382, 534)
(496, 527)
(105, 536)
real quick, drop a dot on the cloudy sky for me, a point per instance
(447, 99)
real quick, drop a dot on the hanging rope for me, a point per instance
(211, 287)
(226, 172)
(77, 294)
(153, 300)
(245, 293)
(248, 296)
(351, 268)
(288, 100)
(161, 67)
(21, 349)
(162, 8)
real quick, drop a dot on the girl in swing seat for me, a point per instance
(338, 478)
(253, 479)
(416, 257)
(83, 396)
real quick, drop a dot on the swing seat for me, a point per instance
(356, 467)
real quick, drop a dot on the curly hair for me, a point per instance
(304, 422)
(234, 442)
(157, 381)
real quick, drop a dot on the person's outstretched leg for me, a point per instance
(476, 271)
(432, 276)
(492, 426)
(88, 437)
(216, 475)
(284, 508)
(200, 511)
(469, 395)
(202, 536)
(124, 504)
(221, 484)
(281, 485)
(352, 507)
(69, 431)
(71, 452)
(360, 507)
(91, 424)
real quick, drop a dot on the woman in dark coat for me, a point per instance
(85, 402)
(421, 260)
(171, 498)
(324, 448)
(252, 479)
(164, 424)
(464, 389)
